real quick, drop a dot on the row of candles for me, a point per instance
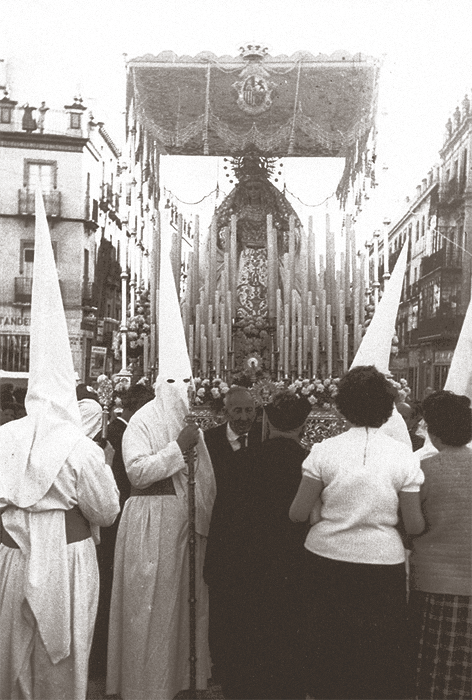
(308, 320)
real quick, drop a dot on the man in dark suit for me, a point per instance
(227, 568)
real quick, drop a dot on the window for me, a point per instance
(417, 230)
(423, 227)
(5, 115)
(75, 120)
(27, 257)
(86, 271)
(42, 172)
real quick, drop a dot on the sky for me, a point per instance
(55, 48)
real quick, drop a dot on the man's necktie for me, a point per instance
(242, 439)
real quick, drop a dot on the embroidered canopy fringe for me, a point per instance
(281, 106)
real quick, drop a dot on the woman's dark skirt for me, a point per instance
(357, 630)
(442, 632)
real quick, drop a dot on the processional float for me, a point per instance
(256, 296)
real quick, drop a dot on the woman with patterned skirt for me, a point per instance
(440, 563)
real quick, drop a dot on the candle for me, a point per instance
(329, 349)
(217, 307)
(305, 347)
(286, 356)
(279, 307)
(198, 320)
(281, 349)
(293, 346)
(304, 274)
(217, 356)
(212, 258)
(291, 252)
(204, 356)
(271, 268)
(196, 261)
(225, 342)
(191, 344)
(345, 348)
(323, 319)
(210, 318)
(233, 266)
(315, 350)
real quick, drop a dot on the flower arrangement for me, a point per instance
(319, 392)
(403, 390)
(138, 327)
(210, 392)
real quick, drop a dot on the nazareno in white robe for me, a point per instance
(26, 668)
(148, 648)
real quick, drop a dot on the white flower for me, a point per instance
(215, 392)
(305, 382)
(326, 405)
(403, 382)
(224, 389)
(305, 391)
(201, 392)
(320, 388)
(297, 383)
(198, 400)
(327, 382)
(311, 387)
(206, 382)
(312, 400)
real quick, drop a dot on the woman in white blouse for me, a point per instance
(357, 587)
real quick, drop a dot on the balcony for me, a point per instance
(23, 287)
(446, 257)
(26, 203)
(451, 193)
(442, 326)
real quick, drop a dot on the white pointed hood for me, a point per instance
(376, 345)
(172, 397)
(459, 379)
(46, 436)
(34, 449)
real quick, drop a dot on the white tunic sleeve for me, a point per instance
(97, 493)
(145, 463)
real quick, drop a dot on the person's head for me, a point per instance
(287, 414)
(240, 409)
(133, 399)
(365, 397)
(410, 412)
(86, 392)
(449, 418)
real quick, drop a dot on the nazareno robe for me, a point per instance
(38, 659)
(148, 647)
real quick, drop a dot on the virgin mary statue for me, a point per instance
(250, 201)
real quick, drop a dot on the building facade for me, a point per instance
(437, 226)
(76, 164)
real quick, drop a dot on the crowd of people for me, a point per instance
(301, 576)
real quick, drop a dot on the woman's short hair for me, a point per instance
(365, 397)
(136, 397)
(448, 417)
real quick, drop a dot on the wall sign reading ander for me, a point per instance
(15, 321)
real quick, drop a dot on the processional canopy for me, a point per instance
(302, 105)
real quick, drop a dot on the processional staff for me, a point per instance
(190, 456)
(105, 396)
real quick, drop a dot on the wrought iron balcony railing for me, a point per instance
(26, 203)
